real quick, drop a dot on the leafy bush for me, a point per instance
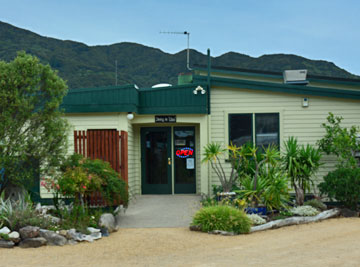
(304, 211)
(20, 213)
(256, 219)
(263, 180)
(223, 218)
(340, 141)
(343, 185)
(315, 203)
(80, 218)
(83, 176)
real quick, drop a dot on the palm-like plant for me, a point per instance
(301, 163)
(214, 154)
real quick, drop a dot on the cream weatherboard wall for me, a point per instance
(295, 120)
(83, 122)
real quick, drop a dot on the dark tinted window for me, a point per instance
(267, 129)
(240, 127)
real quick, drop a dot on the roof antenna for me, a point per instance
(188, 42)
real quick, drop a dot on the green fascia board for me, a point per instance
(166, 100)
(232, 72)
(281, 88)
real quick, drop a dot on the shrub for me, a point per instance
(256, 219)
(223, 218)
(20, 213)
(340, 141)
(304, 211)
(315, 203)
(343, 185)
(83, 176)
(301, 163)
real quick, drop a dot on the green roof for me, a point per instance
(128, 98)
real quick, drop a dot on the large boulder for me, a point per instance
(107, 220)
(29, 232)
(33, 242)
(6, 244)
(53, 238)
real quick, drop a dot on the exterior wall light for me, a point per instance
(199, 89)
(130, 116)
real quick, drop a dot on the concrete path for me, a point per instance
(152, 211)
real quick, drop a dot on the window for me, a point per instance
(259, 128)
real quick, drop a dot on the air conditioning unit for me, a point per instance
(295, 77)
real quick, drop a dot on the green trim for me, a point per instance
(281, 88)
(166, 100)
(209, 80)
(279, 76)
(232, 72)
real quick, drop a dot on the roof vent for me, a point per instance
(159, 85)
(295, 77)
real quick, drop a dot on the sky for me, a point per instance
(315, 29)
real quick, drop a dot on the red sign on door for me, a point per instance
(184, 152)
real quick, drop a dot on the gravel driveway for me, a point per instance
(333, 242)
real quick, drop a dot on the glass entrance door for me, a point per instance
(156, 160)
(184, 159)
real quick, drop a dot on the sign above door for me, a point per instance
(165, 119)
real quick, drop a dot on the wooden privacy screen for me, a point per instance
(108, 145)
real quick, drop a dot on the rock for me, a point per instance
(71, 242)
(349, 213)
(32, 242)
(6, 244)
(219, 232)
(71, 234)
(38, 208)
(195, 228)
(96, 235)
(52, 238)
(52, 218)
(104, 231)
(93, 230)
(108, 221)
(29, 232)
(63, 233)
(15, 237)
(5, 230)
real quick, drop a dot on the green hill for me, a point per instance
(90, 66)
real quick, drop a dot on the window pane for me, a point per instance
(267, 129)
(240, 128)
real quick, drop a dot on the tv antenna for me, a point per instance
(188, 42)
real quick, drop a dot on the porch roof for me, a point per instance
(178, 99)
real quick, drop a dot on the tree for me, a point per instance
(340, 141)
(33, 131)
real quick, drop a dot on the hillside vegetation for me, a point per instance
(89, 66)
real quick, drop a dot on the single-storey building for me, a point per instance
(166, 128)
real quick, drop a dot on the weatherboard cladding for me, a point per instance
(166, 100)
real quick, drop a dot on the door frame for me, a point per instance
(156, 188)
(184, 188)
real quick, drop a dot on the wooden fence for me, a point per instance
(107, 145)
